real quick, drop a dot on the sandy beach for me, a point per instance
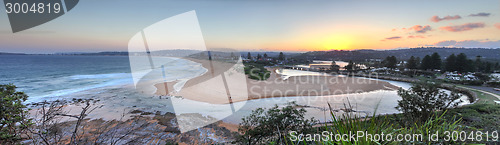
(210, 87)
(119, 108)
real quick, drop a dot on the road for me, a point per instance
(487, 89)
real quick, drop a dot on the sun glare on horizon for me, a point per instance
(337, 43)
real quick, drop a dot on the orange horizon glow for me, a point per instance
(262, 26)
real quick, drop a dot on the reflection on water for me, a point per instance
(368, 103)
(287, 73)
(341, 64)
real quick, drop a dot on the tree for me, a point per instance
(469, 66)
(249, 56)
(487, 68)
(423, 98)
(461, 63)
(334, 67)
(412, 63)
(426, 63)
(435, 61)
(281, 56)
(273, 125)
(350, 66)
(13, 114)
(450, 63)
(418, 62)
(390, 62)
(478, 65)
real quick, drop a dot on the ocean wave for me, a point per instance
(101, 76)
(75, 87)
(50, 88)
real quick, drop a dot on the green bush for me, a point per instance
(272, 125)
(13, 119)
(256, 71)
(422, 99)
(277, 126)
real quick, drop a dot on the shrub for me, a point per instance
(13, 118)
(263, 126)
(422, 99)
(256, 71)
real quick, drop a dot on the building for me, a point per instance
(321, 66)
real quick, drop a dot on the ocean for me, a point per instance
(49, 77)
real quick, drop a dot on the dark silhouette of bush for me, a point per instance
(273, 125)
(423, 98)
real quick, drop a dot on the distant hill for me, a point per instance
(269, 53)
(355, 55)
(5, 53)
(107, 53)
(173, 53)
(402, 54)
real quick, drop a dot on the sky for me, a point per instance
(269, 25)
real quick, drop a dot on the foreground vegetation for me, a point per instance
(426, 119)
(51, 123)
(425, 110)
(13, 114)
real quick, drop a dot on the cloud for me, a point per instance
(480, 15)
(446, 43)
(437, 18)
(420, 28)
(470, 43)
(464, 27)
(416, 36)
(497, 25)
(392, 38)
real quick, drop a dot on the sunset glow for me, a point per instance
(265, 26)
(337, 43)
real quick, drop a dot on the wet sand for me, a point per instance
(210, 87)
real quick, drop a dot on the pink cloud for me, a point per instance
(497, 25)
(464, 27)
(392, 38)
(437, 18)
(420, 28)
(416, 36)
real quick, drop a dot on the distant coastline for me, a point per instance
(492, 54)
(7, 53)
